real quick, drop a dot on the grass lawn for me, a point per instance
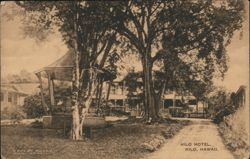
(121, 141)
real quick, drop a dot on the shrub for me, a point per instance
(13, 113)
(17, 114)
(234, 130)
(33, 106)
(153, 144)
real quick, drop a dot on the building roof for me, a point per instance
(117, 96)
(28, 88)
(12, 89)
(171, 96)
(242, 88)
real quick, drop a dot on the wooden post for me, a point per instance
(123, 87)
(107, 97)
(87, 131)
(197, 107)
(45, 106)
(100, 94)
(203, 109)
(174, 100)
(97, 93)
(174, 104)
(163, 103)
(51, 92)
(162, 95)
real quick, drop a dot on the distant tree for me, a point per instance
(15, 78)
(27, 77)
(23, 77)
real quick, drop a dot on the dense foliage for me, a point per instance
(219, 102)
(33, 106)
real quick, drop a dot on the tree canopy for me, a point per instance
(188, 36)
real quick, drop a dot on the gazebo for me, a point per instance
(62, 70)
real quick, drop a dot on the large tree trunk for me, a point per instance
(151, 106)
(92, 88)
(84, 76)
(75, 131)
(80, 111)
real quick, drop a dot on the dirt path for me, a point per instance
(199, 140)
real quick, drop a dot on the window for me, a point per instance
(113, 88)
(112, 101)
(15, 98)
(119, 102)
(192, 102)
(9, 97)
(94, 103)
(178, 103)
(2, 96)
(168, 103)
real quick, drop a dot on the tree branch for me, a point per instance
(132, 37)
(106, 52)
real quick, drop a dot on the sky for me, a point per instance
(19, 52)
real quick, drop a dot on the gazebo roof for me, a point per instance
(62, 69)
(65, 61)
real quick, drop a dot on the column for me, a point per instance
(51, 91)
(45, 106)
(174, 100)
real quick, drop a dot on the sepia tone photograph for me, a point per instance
(136, 79)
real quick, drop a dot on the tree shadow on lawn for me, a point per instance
(121, 140)
(27, 131)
